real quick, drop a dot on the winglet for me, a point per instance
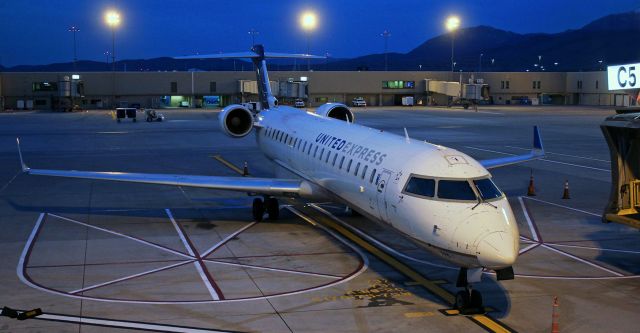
(25, 168)
(537, 141)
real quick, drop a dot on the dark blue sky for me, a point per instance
(35, 31)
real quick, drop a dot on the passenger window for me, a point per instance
(341, 162)
(455, 190)
(487, 189)
(309, 151)
(335, 157)
(328, 155)
(349, 165)
(321, 153)
(315, 152)
(355, 173)
(364, 171)
(421, 186)
(304, 147)
(286, 137)
(373, 174)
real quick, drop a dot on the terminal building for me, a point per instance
(96, 90)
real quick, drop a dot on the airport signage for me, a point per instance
(623, 77)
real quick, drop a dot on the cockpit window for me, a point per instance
(455, 190)
(421, 186)
(487, 189)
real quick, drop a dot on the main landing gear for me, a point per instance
(269, 204)
(469, 300)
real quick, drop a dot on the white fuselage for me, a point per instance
(368, 169)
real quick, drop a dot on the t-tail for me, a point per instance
(258, 56)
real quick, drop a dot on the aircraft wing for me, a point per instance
(536, 153)
(245, 55)
(268, 186)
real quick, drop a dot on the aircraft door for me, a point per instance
(382, 182)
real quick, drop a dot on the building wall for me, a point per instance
(146, 88)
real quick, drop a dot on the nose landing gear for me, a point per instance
(270, 205)
(469, 300)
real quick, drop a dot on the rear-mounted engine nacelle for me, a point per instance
(337, 111)
(236, 121)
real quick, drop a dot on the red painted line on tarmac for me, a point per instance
(107, 263)
(200, 262)
(284, 255)
(273, 268)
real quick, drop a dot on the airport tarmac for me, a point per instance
(113, 257)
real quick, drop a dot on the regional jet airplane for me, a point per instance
(438, 196)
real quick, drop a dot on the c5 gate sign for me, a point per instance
(623, 77)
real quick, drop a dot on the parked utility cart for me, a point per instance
(122, 113)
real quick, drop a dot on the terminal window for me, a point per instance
(174, 87)
(44, 86)
(212, 86)
(398, 84)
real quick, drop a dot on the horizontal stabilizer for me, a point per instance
(248, 55)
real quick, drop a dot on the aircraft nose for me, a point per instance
(497, 251)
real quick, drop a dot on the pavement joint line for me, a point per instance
(567, 155)
(24, 277)
(130, 277)
(226, 239)
(562, 206)
(582, 260)
(534, 230)
(593, 248)
(483, 320)
(541, 159)
(142, 241)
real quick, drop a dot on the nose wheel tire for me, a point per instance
(258, 209)
(273, 208)
(469, 302)
(475, 301)
(462, 300)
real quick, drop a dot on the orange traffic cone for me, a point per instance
(565, 194)
(555, 315)
(531, 191)
(245, 169)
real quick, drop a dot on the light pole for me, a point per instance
(107, 53)
(253, 33)
(386, 34)
(480, 63)
(74, 29)
(452, 24)
(112, 18)
(308, 22)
